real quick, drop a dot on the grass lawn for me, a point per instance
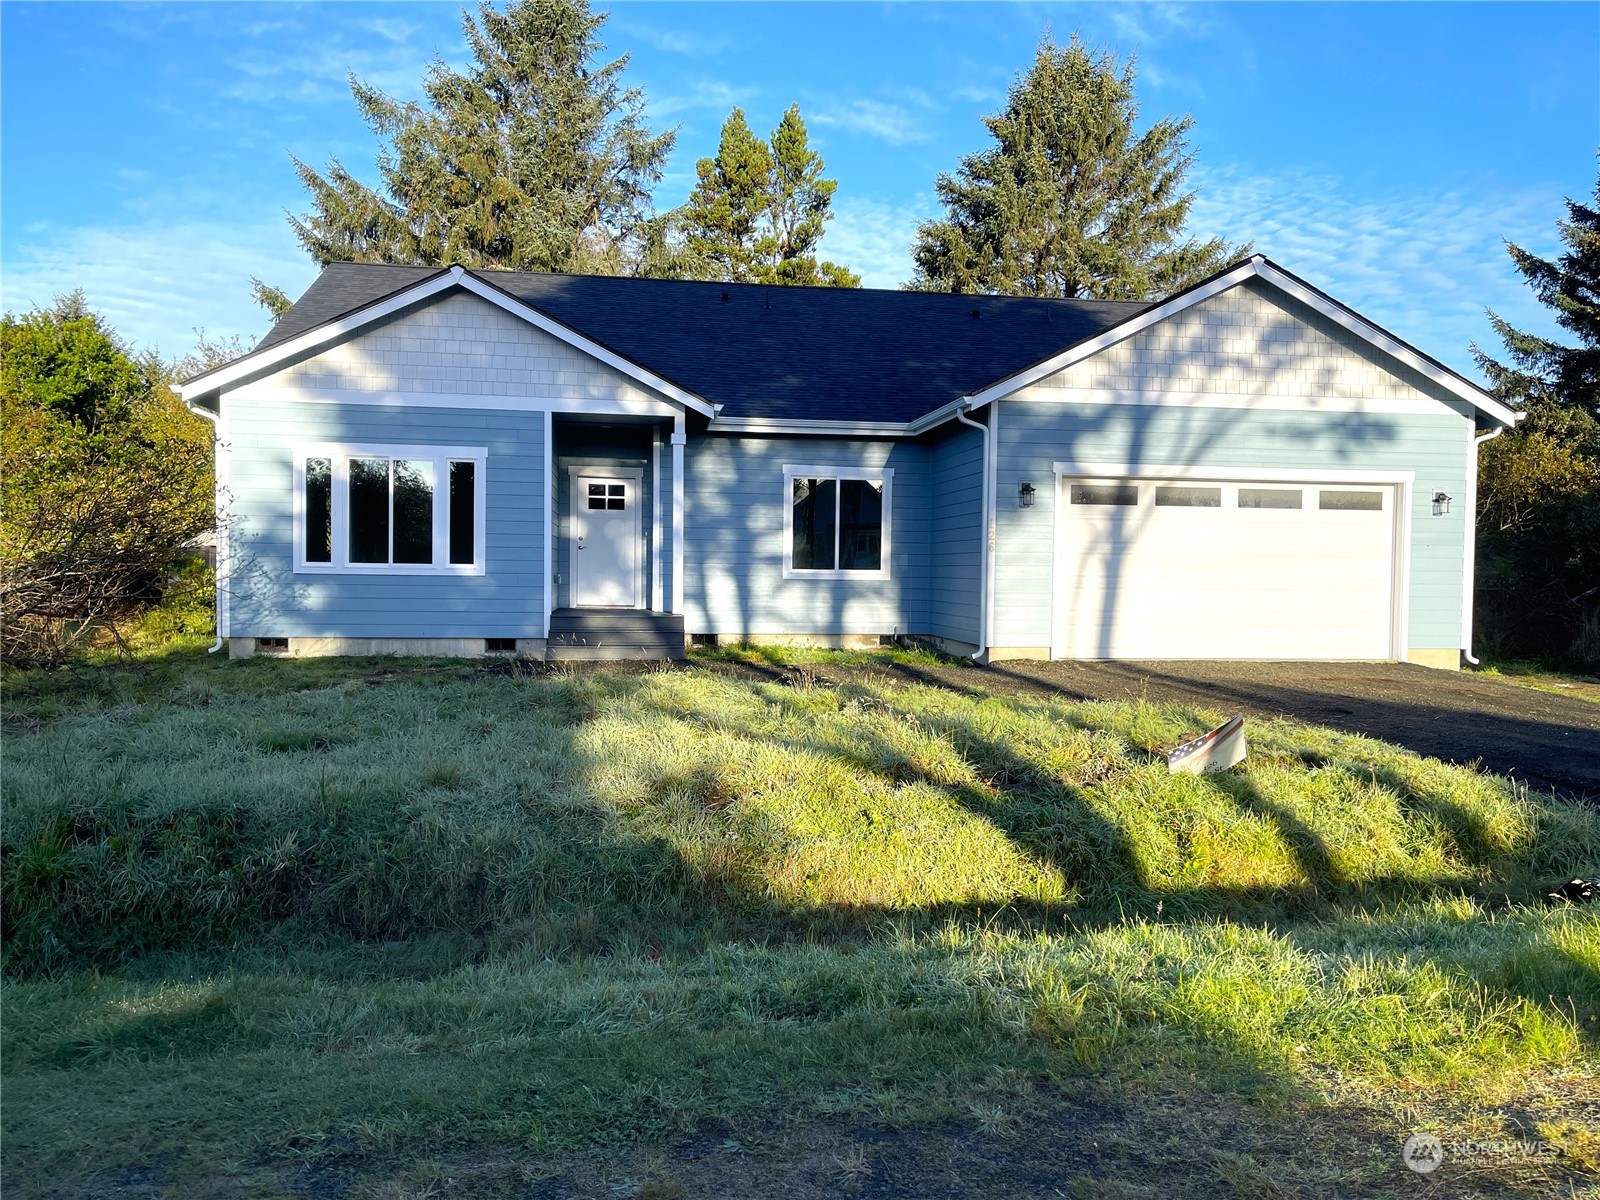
(397, 928)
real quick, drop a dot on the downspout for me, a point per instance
(1472, 541)
(216, 507)
(983, 542)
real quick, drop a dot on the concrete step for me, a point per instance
(605, 634)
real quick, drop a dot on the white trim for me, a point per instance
(882, 476)
(339, 454)
(1403, 484)
(222, 575)
(679, 438)
(1225, 474)
(655, 518)
(455, 277)
(992, 535)
(266, 390)
(1469, 556)
(802, 428)
(1257, 267)
(550, 486)
(600, 470)
(1417, 405)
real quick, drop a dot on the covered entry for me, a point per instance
(1266, 568)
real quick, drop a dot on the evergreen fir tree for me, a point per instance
(535, 158)
(1538, 579)
(1069, 201)
(1540, 370)
(759, 208)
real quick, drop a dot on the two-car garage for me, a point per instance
(1241, 568)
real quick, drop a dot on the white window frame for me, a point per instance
(882, 477)
(441, 456)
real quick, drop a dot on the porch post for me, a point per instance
(549, 518)
(679, 438)
(655, 518)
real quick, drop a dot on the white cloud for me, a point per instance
(886, 122)
(873, 237)
(702, 93)
(673, 41)
(157, 284)
(1424, 265)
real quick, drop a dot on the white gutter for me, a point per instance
(983, 545)
(216, 506)
(1469, 582)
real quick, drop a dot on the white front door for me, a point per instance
(605, 540)
(1216, 569)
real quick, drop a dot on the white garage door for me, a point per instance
(1201, 569)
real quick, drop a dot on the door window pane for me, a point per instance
(614, 496)
(815, 504)
(1269, 498)
(1123, 494)
(597, 496)
(860, 525)
(319, 510)
(413, 511)
(463, 502)
(369, 510)
(1349, 501)
(1188, 497)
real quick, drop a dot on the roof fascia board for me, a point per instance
(1261, 268)
(312, 339)
(803, 427)
(333, 331)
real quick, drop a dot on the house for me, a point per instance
(452, 461)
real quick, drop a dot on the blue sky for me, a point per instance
(1379, 150)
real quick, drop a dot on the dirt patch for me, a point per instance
(1095, 1138)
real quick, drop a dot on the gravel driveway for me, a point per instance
(1546, 739)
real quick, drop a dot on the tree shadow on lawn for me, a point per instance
(638, 900)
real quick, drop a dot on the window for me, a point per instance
(837, 524)
(1269, 497)
(1346, 501)
(1124, 495)
(407, 510)
(608, 496)
(1188, 497)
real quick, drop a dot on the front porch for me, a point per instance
(616, 500)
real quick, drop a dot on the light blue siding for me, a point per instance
(955, 530)
(268, 599)
(733, 539)
(1034, 435)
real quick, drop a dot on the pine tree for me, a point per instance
(1542, 371)
(759, 208)
(1069, 201)
(535, 158)
(1539, 484)
(723, 217)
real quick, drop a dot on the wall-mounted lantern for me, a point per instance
(1025, 496)
(1441, 504)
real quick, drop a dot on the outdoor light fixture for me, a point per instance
(1025, 496)
(1441, 504)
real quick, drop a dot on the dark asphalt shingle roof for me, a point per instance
(776, 352)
